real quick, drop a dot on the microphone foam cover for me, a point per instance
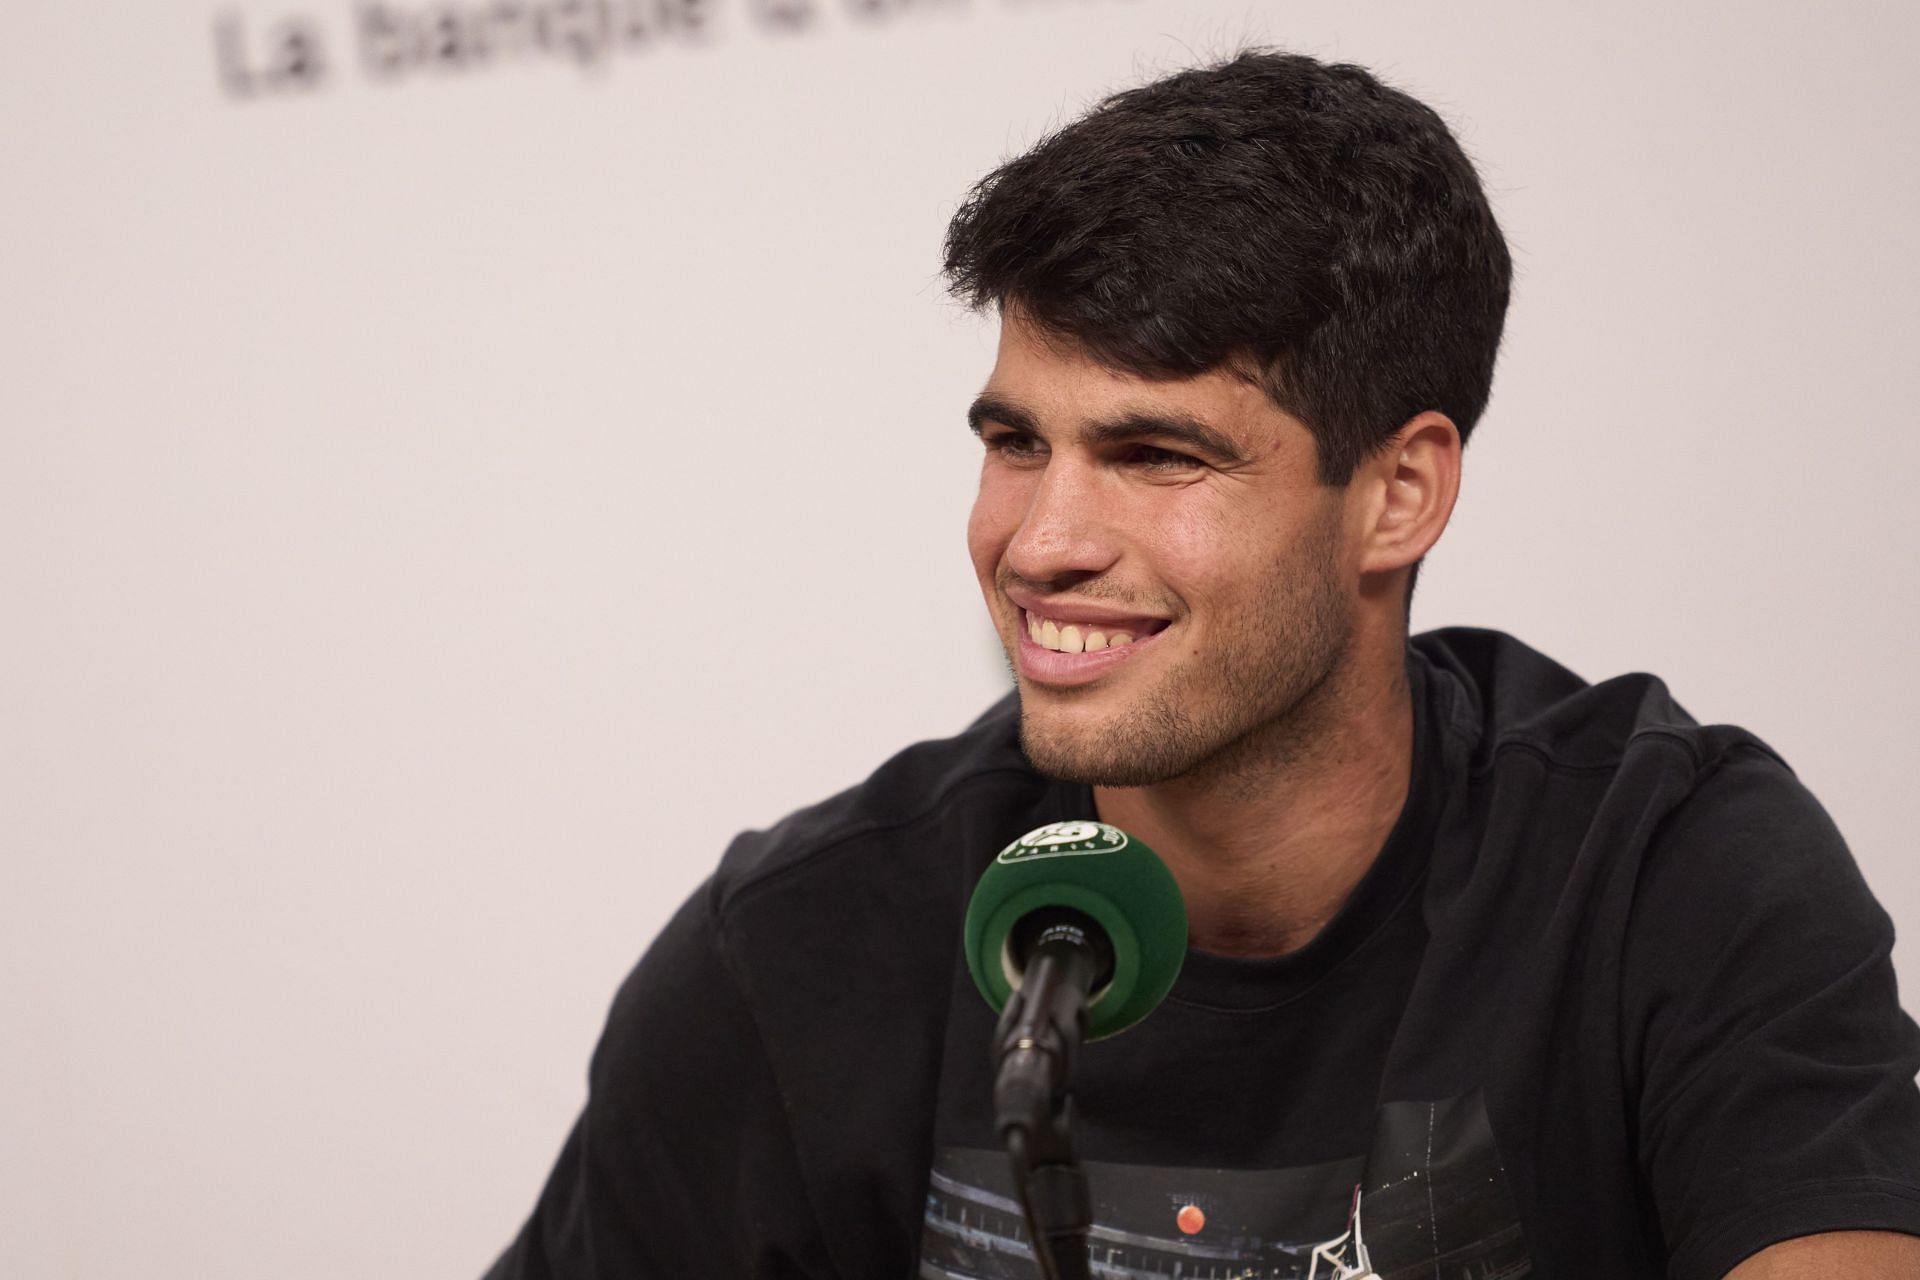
(1102, 871)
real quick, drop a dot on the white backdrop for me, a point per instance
(438, 507)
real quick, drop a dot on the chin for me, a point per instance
(1134, 750)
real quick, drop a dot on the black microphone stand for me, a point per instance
(1034, 1047)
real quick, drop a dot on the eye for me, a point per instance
(1014, 446)
(1153, 458)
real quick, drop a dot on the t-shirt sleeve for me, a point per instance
(682, 1162)
(1773, 1064)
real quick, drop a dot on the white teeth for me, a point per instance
(1073, 637)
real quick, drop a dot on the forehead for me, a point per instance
(1062, 388)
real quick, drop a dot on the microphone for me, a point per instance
(1075, 932)
(1092, 889)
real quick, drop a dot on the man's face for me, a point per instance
(1179, 523)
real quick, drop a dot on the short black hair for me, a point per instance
(1299, 222)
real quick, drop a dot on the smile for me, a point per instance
(1080, 650)
(1076, 637)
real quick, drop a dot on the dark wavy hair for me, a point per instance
(1301, 223)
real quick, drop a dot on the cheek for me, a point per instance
(1196, 554)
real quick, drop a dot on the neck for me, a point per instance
(1268, 848)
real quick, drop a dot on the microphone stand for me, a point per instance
(1034, 1047)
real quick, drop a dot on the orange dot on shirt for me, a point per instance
(1190, 1220)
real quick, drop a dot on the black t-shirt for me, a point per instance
(1613, 1001)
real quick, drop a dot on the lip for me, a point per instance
(1085, 613)
(1045, 666)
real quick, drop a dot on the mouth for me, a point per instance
(1062, 635)
(1073, 646)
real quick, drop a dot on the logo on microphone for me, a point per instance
(1063, 840)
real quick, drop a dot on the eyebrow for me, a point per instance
(1179, 428)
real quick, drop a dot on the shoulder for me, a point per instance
(1699, 926)
(1502, 697)
(1699, 838)
(831, 928)
(1748, 902)
(800, 910)
(1611, 793)
(811, 978)
(881, 864)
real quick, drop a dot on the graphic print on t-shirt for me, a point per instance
(1430, 1199)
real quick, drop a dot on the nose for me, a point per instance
(1065, 534)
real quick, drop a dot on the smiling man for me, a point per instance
(1493, 972)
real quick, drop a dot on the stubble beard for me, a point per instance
(1228, 716)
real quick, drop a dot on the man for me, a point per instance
(1492, 972)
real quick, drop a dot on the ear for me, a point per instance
(1410, 486)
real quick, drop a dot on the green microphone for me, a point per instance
(1087, 887)
(1076, 931)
